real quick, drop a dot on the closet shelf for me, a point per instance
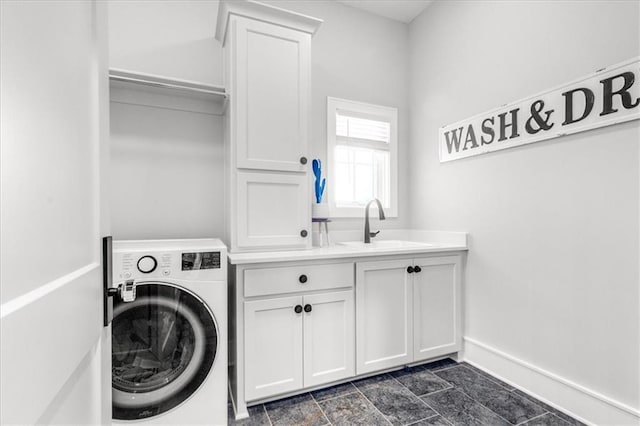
(165, 82)
(165, 92)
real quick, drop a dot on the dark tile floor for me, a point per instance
(442, 393)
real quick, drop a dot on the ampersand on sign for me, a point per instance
(542, 123)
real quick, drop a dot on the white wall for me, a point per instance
(175, 39)
(167, 173)
(363, 57)
(166, 163)
(169, 38)
(552, 276)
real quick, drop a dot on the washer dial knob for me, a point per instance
(147, 264)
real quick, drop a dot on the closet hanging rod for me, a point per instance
(165, 83)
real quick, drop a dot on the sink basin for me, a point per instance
(384, 245)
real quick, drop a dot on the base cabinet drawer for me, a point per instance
(297, 279)
(299, 341)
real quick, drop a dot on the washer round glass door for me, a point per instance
(163, 347)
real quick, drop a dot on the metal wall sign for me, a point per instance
(609, 96)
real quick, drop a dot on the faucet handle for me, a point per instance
(373, 234)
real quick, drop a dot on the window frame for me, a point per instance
(365, 110)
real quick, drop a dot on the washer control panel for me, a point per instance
(196, 263)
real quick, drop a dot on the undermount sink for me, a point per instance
(384, 245)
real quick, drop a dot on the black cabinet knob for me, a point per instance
(302, 278)
(307, 308)
(410, 269)
(298, 309)
(303, 160)
(304, 233)
(417, 269)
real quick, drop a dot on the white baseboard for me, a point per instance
(569, 397)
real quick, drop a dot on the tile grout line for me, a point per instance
(336, 396)
(373, 405)
(533, 418)
(435, 414)
(489, 377)
(482, 405)
(420, 398)
(264, 407)
(320, 408)
(425, 402)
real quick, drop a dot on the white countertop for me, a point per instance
(432, 242)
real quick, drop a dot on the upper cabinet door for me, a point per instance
(273, 211)
(436, 306)
(272, 89)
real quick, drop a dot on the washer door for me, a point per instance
(163, 347)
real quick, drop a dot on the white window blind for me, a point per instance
(362, 156)
(362, 128)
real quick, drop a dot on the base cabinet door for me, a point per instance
(273, 346)
(273, 211)
(384, 317)
(436, 307)
(329, 341)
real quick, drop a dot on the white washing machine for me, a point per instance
(169, 344)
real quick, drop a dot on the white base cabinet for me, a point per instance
(407, 311)
(299, 325)
(292, 326)
(437, 307)
(383, 315)
(329, 341)
(296, 342)
(273, 348)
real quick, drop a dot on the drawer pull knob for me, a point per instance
(303, 160)
(302, 278)
(307, 308)
(410, 270)
(304, 233)
(298, 309)
(417, 269)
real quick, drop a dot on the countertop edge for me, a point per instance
(334, 252)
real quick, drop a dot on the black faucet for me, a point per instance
(367, 232)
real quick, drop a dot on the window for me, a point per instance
(362, 157)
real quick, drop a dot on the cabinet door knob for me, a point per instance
(298, 309)
(303, 160)
(417, 269)
(307, 308)
(304, 233)
(410, 270)
(302, 278)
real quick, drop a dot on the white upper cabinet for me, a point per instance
(272, 87)
(273, 211)
(267, 53)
